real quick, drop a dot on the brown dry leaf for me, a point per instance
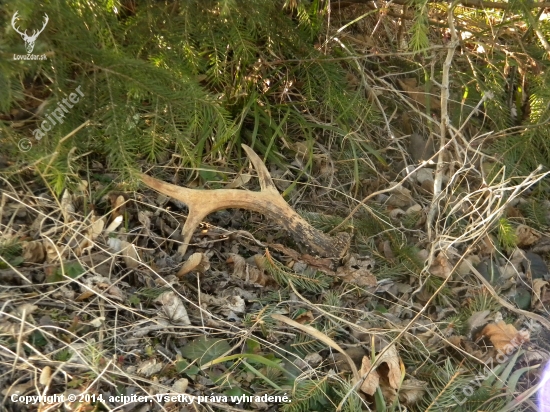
(503, 336)
(97, 227)
(541, 294)
(240, 180)
(304, 318)
(144, 219)
(227, 304)
(372, 381)
(356, 270)
(173, 308)
(149, 367)
(395, 365)
(45, 376)
(117, 202)
(441, 267)
(180, 386)
(476, 321)
(34, 252)
(400, 196)
(102, 286)
(85, 295)
(251, 274)
(129, 254)
(53, 253)
(190, 264)
(419, 95)
(526, 236)
(67, 207)
(85, 245)
(412, 390)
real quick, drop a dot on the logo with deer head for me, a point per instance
(29, 40)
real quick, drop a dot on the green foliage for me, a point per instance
(311, 281)
(323, 395)
(72, 270)
(506, 234)
(536, 212)
(10, 253)
(191, 77)
(305, 344)
(420, 28)
(204, 349)
(307, 395)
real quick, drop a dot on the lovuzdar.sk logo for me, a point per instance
(29, 40)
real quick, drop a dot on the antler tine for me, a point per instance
(266, 183)
(13, 21)
(46, 20)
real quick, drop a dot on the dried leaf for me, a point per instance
(67, 206)
(118, 204)
(226, 305)
(541, 294)
(526, 236)
(53, 253)
(149, 367)
(46, 376)
(419, 95)
(372, 381)
(395, 365)
(400, 196)
(412, 390)
(504, 337)
(180, 386)
(85, 295)
(441, 266)
(34, 252)
(190, 264)
(250, 274)
(128, 251)
(197, 262)
(357, 270)
(240, 180)
(306, 317)
(97, 228)
(476, 321)
(173, 308)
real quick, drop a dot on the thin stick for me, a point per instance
(443, 125)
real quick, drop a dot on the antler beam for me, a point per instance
(267, 201)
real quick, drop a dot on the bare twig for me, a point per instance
(445, 121)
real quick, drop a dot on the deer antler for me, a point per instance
(29, 40)
(13, 21)
(35, 33)
(267, 201)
